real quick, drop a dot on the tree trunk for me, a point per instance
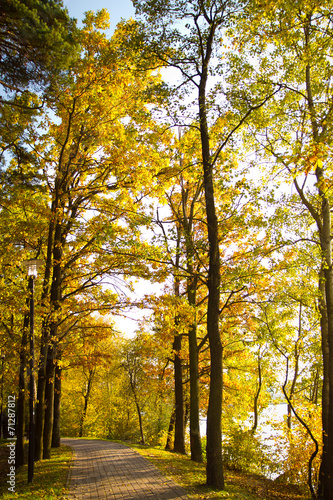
(325, 390)
(86, 396)
(214, 467)
(21, 400)
(325, 352)
(168, 445)
(57, 405)
(195, 438)
(256, 397)
(40, 403)
(187, 222)
(55, 305)
(138, 409)
(140, 420)
(327, 458)
(41, 377)
(323, 221)
(179, 442)
(49, 402)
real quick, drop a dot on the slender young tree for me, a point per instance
(297, 137)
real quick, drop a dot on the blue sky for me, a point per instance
(117, 8)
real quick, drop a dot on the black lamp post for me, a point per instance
(32, 266)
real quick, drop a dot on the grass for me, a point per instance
(49, 481)
(190, 475)
(239, 486)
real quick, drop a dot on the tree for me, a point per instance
(81, 160)
(36, 39)
(296, 137)
(37, 45)
(182, 269)
(192, 55)
(22, 222)
(186, 35)
(133, 367)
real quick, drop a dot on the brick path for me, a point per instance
(106, 470)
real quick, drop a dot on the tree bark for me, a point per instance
(326, 479)
(140, 420)
(41, 377)
(86, 396)
(192, 283)
(40, 403)
(49, 402)
(323, 221)
(57, 405)
(256, 396)
(168, 445)
(55, 305)
(179, 442)
(138, 409)
(214, 469)
(195, 438)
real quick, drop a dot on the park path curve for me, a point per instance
(103, 470)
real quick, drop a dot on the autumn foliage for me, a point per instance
(199, 206)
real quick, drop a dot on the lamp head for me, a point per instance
(32, 266)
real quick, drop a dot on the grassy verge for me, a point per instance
(239, 486)
(190, 475)
(50, 477)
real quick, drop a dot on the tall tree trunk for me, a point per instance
(214, 469)
(138, 409)
(323, 221)
(195, 438)
(179, 442)
(326, 479)
(192, 283)
(41, 374)
(40, 403)
(57, 405)
(55, 305)
(21, 400)
(140, 420)
(49, 402)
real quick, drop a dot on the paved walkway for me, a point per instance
(105, 470)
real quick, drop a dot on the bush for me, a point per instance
(242, 450)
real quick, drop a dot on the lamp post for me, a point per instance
(32, 266)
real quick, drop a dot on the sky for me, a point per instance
(117, 9)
